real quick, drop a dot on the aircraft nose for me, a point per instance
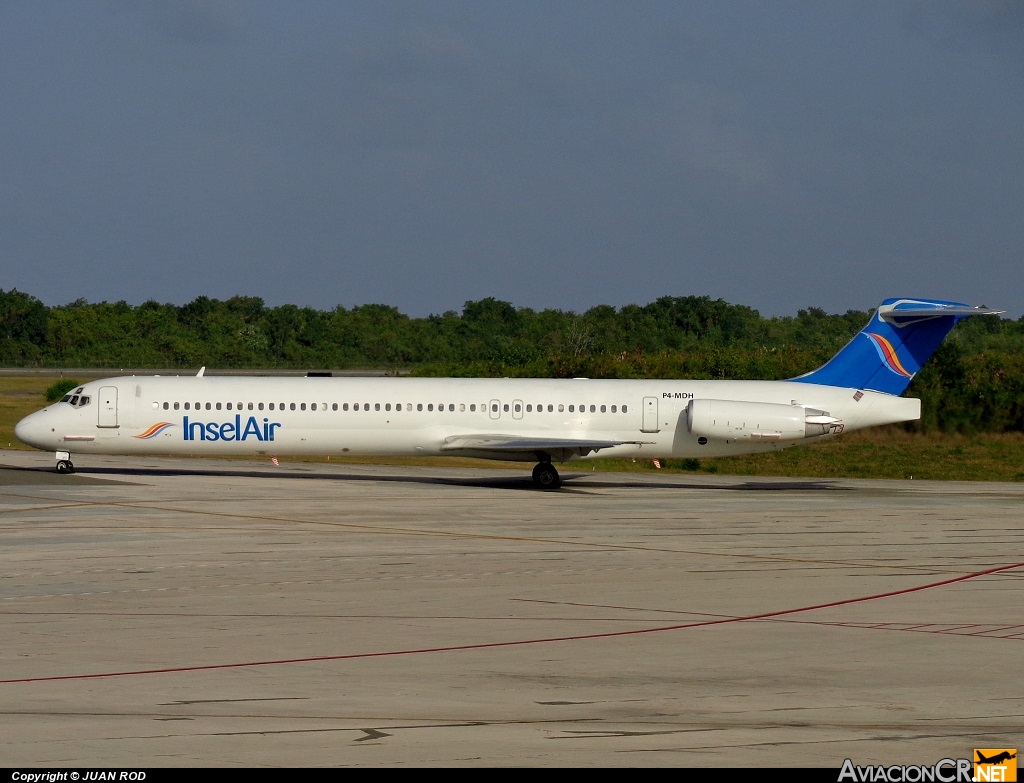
(32, 431)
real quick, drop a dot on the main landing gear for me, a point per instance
(545, 476)
(65, 466)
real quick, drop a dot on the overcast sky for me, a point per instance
(779, 155)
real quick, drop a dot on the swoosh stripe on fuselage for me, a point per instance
(153, 431)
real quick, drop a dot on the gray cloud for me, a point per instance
(424, 153)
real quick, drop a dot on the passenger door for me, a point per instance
(107, 411)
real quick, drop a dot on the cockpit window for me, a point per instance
(77, 399)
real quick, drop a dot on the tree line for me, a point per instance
(975, 381)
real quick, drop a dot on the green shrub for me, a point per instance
(60, 388)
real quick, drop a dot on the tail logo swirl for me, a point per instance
(888, 354)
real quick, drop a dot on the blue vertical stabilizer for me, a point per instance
(887, 353)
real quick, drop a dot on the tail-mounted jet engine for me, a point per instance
(731, 420)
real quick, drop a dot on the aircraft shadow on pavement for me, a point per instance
(571, 482)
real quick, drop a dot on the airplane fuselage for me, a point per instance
(235, 415)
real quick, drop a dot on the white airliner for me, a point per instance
(529, 420)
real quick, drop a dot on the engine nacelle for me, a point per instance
(732, 420)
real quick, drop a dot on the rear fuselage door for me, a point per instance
(650, 415)
(107, 411)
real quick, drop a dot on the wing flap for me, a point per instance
(517, 447)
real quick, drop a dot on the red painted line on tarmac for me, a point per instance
(521, 642)
(992, 630)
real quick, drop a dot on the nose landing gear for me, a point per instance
(65, 466)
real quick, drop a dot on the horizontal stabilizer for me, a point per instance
(907, 311)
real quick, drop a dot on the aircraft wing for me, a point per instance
(515, 447)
